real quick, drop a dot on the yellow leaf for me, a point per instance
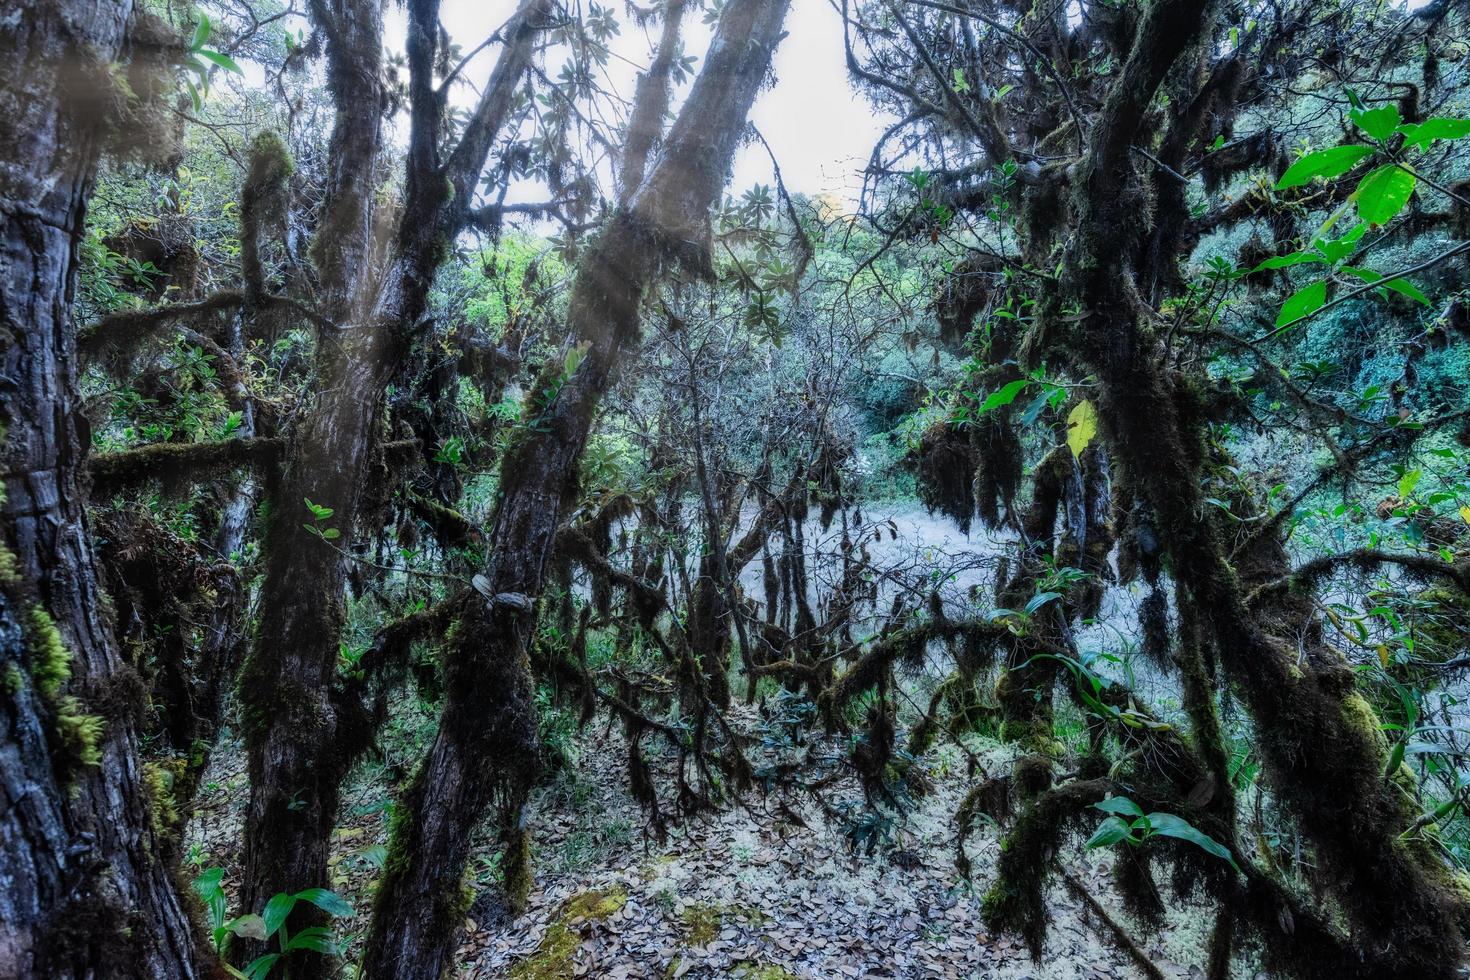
(1465, 514)
(1383, 655)
(1081, 427)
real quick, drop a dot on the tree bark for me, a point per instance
(87, 890)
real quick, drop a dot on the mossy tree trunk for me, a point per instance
(87, 889)
(486, 744)
(1322, 747)
(301, 734)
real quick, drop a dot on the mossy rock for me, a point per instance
(554, 959)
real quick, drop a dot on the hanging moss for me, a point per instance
(262, 202)
(1016, 902)
(9, 565)
(944, 465)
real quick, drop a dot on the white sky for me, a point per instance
(820, 131)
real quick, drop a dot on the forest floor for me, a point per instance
(767, 890)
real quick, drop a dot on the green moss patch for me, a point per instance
(553, 959)
(702, 923)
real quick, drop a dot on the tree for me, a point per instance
(303, 734)
(89, 881)
(478, 755)
(1097, 194)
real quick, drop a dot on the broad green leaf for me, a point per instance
(1337, 249)
(223, 60)
(1383, 193)
(1408, 482)
(1173, 825)
(329, 902)
(1308, 299)
(1378, 123)
(1287, 261)
(277, 910)
(1438, 128)
(1108, 833)
(1119, 805)
(1033, 411)
(1326, 164)
(1400, 285)
(1395, 760)
(1004, 396)
(1081, 427)
(209, 879)
(574, 358)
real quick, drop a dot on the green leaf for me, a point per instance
(1081, 427)
(276, 912)
(260, 967)
(1108, 833)
(1395, 760)
(1287, 261)
(329, 902)
(574, 358)
(1119, 805)
(1039, 600)
(1378, 123)
(1308, 299)
(1172, 825)
(1400, 285)
(318, 939)
(201, 32)
(1337, 249)
(1383, 193)
(1326, 164)
(223, 60)
(1438, 128)
(1005, 396)
(1408, 482)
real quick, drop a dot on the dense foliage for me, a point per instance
(413, 420)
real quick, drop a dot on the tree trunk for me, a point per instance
(486, 744)
(1320, 741)
(87, 891)
(301, 737)
(289, 717)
